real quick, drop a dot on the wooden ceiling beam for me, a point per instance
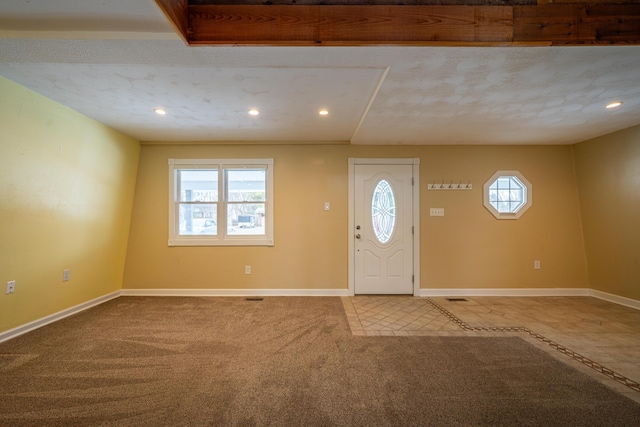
(356, 25)
(177, 13)
(348, 25)
(374, 2)
(578, 24)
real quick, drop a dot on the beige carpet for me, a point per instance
(288, 361)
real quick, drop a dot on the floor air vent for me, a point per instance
(253, 299)
(456, 299)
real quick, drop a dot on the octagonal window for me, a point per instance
(507, 194)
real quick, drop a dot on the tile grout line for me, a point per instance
(572, 354)
(355, 310)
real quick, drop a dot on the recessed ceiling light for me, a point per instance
(323, 112)
(613, 105)
(254, 112)
(160, 111)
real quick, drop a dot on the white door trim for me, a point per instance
(416, 215)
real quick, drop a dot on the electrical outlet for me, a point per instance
(11, 287)
(536, 265)
(247, 269)
(66, 275)
(327, 206)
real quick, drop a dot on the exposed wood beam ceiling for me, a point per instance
(413, 22)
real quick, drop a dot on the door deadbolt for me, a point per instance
(357, 236)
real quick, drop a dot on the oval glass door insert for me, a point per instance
(383, 211)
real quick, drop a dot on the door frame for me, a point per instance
(415, 216)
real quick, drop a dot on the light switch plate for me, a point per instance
(436, 212)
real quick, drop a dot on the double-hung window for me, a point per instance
(220, 202)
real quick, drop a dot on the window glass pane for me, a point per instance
(503, 182)
(197, 218)
(515, 182)
(515, 195)
(516, 205)
(198, 185)
(246, 219)
(383, 211)
(509, 196)
(503, 207)
(246, 185)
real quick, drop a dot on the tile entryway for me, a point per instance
(599, 338)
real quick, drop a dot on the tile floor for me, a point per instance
(599, 338)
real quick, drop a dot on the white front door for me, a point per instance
(383, 229)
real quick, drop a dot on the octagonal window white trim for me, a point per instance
(507, 194)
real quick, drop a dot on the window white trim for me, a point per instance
(508, 215)
(222, 239)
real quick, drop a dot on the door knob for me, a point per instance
(357, 236)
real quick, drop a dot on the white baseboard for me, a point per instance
(235, 292)
(628, 302)
(510, 292)
(506, 292)
(27, 327)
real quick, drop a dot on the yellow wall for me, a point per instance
(608, 175)
(66, 193)
(467, 248)
(66, 200)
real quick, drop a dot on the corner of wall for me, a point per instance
(66, 197)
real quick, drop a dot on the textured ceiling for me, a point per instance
(117, 63)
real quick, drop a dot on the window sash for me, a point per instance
(507, 194)
(252, 221)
